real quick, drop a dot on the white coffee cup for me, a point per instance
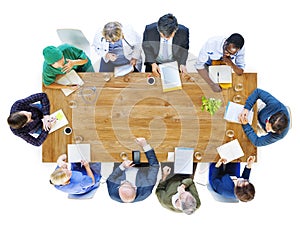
(68, 130)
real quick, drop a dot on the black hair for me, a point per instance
(279, 122)
(236, 39)
(167, 24)
(17, 120)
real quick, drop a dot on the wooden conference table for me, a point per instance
(109, 115)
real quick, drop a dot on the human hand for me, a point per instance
(48, 122)
(181, 188)
(243, 116)
(127, 164)
(133, 62)
(85, 163)
(227, 60)
(141, 141)
(220, 161)
(155, 70)
(183, 70)
(250, 161)
(111, 56)
(166, 171)
(73, 87)
(215, 87)
(68, 66)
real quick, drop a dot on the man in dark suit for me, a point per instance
(127, 184)
(165, 33)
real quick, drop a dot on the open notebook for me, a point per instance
(231, 150)
(70, 78)
(170, 77)
(78, 152)
(221, 74)
(233, 110)
(61, 120)
(183, 160)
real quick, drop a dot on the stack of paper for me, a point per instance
(78, 152)
(61, 120)
(70, 78)
(230, 151)
(183, 162)
(233, 110)
(170, 77)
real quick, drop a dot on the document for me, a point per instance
(230, 151)
(221, 74)
(170, 77)
(123, 70)
(78, 152)
(233, 110)
(70, 78)
(183, 162)
(61, 120)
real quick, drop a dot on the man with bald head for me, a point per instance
(128, 184)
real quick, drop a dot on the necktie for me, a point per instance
(165, 50)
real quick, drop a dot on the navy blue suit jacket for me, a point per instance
(151, 44)
(145, 179)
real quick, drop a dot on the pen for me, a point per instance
(218, 75)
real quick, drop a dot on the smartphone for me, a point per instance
(136, 157)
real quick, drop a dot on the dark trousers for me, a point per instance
(231, 168)
(109, 66)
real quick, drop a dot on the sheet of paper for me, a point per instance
(70, 78)
(78, 152)
(183, 162)
(231, 150)
(61, 120)
(233, 110)
(170, 157)
(123, 70)
(170, 77)
(220, 73)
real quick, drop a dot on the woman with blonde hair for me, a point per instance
(118, 45)
(80, 179)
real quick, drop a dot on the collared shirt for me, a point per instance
(213, 50)
(131, 175)
(160, 56)
(175, 197)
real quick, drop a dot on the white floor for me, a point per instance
(271, 35)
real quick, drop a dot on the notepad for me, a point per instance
(221, 74)
(183, 161)
(233, 110)
(61, 120)
(230, 151)
(78, 152)
(70, 78)
(170, 77)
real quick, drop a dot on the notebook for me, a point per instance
(230, 151)
(70, 78)
(233, 110)
(78, 152)
(221, 74)
(61, 120)
(170, 77)
(183, 160)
